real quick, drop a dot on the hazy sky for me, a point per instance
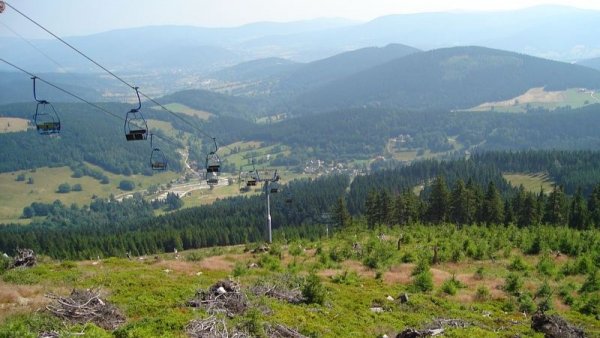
(81, 17)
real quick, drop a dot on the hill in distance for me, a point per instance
(448, 78)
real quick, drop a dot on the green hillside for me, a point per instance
(450, 78)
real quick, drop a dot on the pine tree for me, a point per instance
(459, 204)
(493, 212)
(555, 211)
(341, 216)
(594, 206)
(578, 211)
(371, 209)
(438, 201)
(528, 213)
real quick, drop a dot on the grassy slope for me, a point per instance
(181, 108)
(17, 195)
(151, 292)
(531, 182)
(538, 98)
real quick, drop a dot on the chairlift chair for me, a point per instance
(158, 161)
(213, 166)
(274, 187)
(46, 119)
(136, 127)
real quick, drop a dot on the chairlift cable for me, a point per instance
(60, 67)
(165, 138)
(105, 69)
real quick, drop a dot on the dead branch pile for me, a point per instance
(212, 327)
(280, 331)
(436, 327)
(284, 287)
(49, 334)
(293, 296)
(24, 258)
(412, 333)
(554, 326)
(84, 306)
(223, 297)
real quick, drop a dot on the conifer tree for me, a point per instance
(438, 201)
(578, 211)
(493, 212)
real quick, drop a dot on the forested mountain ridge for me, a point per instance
(320, 72)
(448, 78)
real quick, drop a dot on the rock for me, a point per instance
(221, 290)
(390, 298)
(554, 326)
(377, 309)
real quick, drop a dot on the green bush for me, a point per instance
(346, 278)
(546, 266)
(592, 283)
(239, 269)
(526, 303)
(4, 264)
(518, 264)
(513, 283)
(126, 185)
(482, 293)
(64, 188)
(544, 290)
(591, 305)
(423, 281)
(451, 285)
(313, 290)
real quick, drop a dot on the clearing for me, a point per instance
(181, 108)
(531, 182)
(539, 98)
(13, 124)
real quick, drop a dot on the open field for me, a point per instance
(181, 108)
(539, 98)
(18, 194)
(360, 288)
(531, 182)
(12, 124)
(409, 155)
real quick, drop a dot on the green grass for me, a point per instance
(152, 292)
(531, 182)
(18, 194)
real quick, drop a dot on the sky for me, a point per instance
(83, 17)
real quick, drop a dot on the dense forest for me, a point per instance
(87, 135)
(111, 228)
(462, 192)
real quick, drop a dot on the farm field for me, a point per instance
(489, 287)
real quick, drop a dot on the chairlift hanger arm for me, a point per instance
(35, 92)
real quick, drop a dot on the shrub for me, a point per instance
(546, 266)
(451, 285)
(239, 269)
(346, 278)
(126, 185)
(479, 273)
(544, 290)
(591, 305)
(482, 293)
(77, 187)
(526, 303)
(423, 281)
(518, 264)
(64, 188)
(4, 264)
(195, 256)
(313, 290)
(513, 283)
(270, 263)
(592, 283)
